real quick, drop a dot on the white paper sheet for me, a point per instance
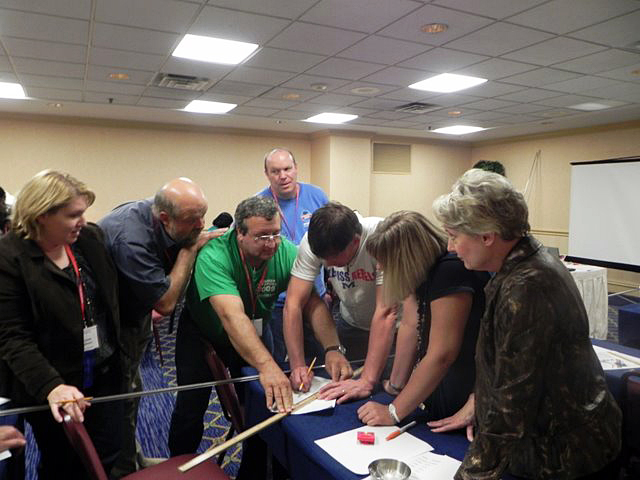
(4, 400)
(316, 384)
(4, 455)
(344, 447)
(431, 466)
(612, 360)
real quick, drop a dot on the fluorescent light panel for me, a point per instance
(11, 90)
(334, 118)
(458, 129)
(447, 83)
(213, 50)
(202, 106)
(590, 106)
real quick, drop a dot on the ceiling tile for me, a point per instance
(259, 76)
(582, 84)
(523, 108)
(562, 16)
(391, 115)
(133, 39)
(312, 108)
(383, 50)
(120, 58)
(485, 116)
(315, 38)
(498, 39)
(45, 67)
(489, 104)
(495, 68)
(63, 52)
(490, 8)
(137, 77)
(529, 95)
(71, 8)
(254, 111)
(54, 94)
(184, 66)
(600, 62)
(43, 27)
(292, 115)
(163, 92)
(553, 51)
(354, 110)
(162, 103)
(362, 15)
(625, 73)
(11, 78)
(409, 95)
(238, 88)
(628, 92)
(344, 68)
(368, 121)
(277, 8)
(335, 99)
(270, 103)
(539, 77)
(408, 28)
(453, 99)
(286, 60)
(379, 104)
(493, 89)
(401, 77)
(565, 100)
(234, 25)
(118, 99)
(401, 124)
(167, 15)
(221, 97)
(304, 82)
(618, 32)
(442, 60)
(51, 82)
(113, 87)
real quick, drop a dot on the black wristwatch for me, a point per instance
(338, 348)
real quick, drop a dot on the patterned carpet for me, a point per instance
(154, 414)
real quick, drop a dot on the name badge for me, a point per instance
(90, 338)
(257, 324)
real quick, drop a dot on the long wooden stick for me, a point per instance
(251, 431)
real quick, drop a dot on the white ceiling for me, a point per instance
(540, 57)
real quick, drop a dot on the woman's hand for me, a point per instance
(68, 399)
(461, 419)
(346, 390)
(374, 413)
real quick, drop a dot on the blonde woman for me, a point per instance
(441, 329)
(59, 320)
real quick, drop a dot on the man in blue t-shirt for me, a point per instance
(296, 202)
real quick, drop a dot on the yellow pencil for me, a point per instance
(313, 362)
(86, 399)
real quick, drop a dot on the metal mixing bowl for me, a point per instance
(389, 469)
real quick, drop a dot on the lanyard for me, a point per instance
(254, 296)
(74, 264)
(292, 233)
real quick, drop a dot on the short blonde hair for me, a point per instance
(484, 202)
(406, 245)
(46, 192)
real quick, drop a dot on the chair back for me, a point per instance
(226, 393)
(83, 445)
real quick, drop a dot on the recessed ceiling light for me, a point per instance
(319, 87)
(454, 113)
(635, 72)
(589, 106)
(458, 130)
(54, 105)
(334, 118)
(213, 50)
(202, 106)
(447, 82)
(119, 76)
(365, 90)
(291, 96)
(434, 28)
(11, 90)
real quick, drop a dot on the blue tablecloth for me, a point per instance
(292, 439)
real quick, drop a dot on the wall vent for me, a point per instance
(417, 107)
(181, 82)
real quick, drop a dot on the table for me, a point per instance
(292, 439)
(592, 284)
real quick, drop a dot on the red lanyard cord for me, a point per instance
(79, 284)
(252, 294)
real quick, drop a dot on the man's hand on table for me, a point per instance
(337, 366)
(374, 413)
(276, 388)
(346, 390)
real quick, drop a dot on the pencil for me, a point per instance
(313, 362)
(393, 435)
(64, 402)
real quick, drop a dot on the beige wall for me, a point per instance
(549, 200)
(122, 164)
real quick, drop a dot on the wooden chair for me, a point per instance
(167, 470)
(226, 394)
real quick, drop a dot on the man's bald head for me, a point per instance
(181, 205)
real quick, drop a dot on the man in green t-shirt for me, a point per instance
(236, 280)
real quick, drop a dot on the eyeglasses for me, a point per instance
(276, 237)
